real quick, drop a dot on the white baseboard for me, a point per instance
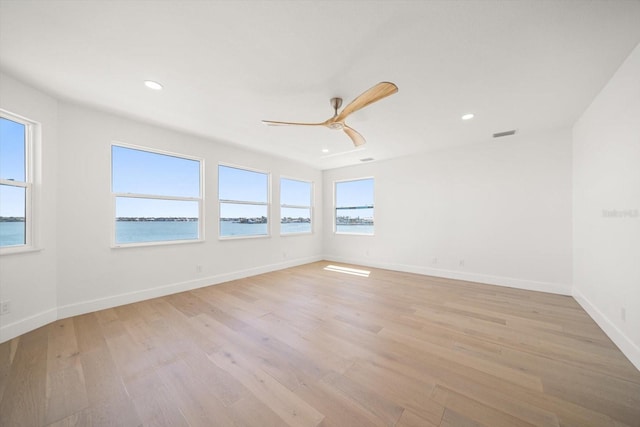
(22, 326)
(27, 324)
(131, 297)
(511, 282)
(630, 349)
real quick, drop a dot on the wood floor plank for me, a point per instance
(491, 368)
(294, 337)
(6, 359)
(308, 346)
(481, 412)
(109, 402)
(250, 411)
(339, 408)
(410, 419)
(89, 334)
(66, 392)
(192, 395)
(374, 400)
(286, 404)
(452, 418)
(24, 399)
(79, 419)
(153, 402)
(406, 392)
(278, 360)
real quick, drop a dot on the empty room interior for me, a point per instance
(320, 213)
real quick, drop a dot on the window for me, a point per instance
(354, 206)
(244, 202)
(16, 182)
(157, 196)
(295, 206)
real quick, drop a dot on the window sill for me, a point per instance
(342, 233)
(19, 250)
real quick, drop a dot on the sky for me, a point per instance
(140, 172)
(356, 193)
(12, 167)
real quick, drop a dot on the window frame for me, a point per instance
(31, 139)
(335, 206)
(114, 197)
(310, 207)
(244, 202)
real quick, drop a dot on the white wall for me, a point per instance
(29, 280)
(503, 206)
(77, 271)
(606, 208)
(92, 275)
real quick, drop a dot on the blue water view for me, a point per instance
(12, 233)
(158, 231)
(155, 231)
(355, 228)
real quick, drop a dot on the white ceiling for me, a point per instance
(225, 65)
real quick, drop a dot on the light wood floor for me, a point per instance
(308, 347)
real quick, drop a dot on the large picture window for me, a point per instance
(16, 181)
(354, 206)
(157, 196)
(244, 202)
(295, 206)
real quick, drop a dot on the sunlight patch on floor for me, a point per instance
(347, 270)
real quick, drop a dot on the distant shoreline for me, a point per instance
(12, 219)
(156, 219)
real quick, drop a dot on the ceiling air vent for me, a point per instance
(366, 159)
(505, 133)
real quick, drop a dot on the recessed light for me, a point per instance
(325, 150)
(153, 85)
(468, 116)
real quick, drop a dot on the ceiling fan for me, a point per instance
(376, 93)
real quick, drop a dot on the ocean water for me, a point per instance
(158, 231)
(11, 233)
(355, 229)
(295, 227)
(155, 231)
(228, 228)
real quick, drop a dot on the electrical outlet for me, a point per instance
(198, 268)
(461, 263)
(623, 314)
(5, 307)
(434, 261)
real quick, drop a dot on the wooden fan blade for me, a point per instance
(376, 93)
(357, 139)
(274, 123)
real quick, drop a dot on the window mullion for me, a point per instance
(296, 206)
(242, 202)
(157, 197)
(13, 183)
